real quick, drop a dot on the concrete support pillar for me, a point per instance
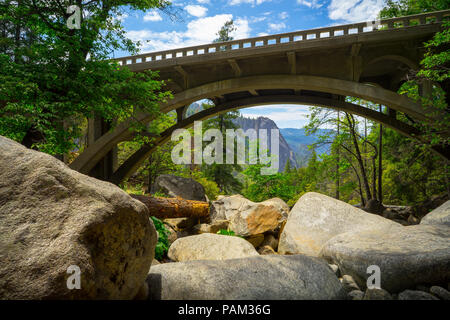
(425, 88)
(392, 113)
(105, 168)
(180, 114)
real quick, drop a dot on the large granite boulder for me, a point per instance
(247, 217)
(269, 277)
(175, 186)
(317, 218)
(209, 246)
(54, 219)
(439, 216)
(407, 256)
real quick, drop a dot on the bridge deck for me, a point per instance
(301, 39)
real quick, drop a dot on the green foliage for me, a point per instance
(228, 233)
(54, 76)
(262, 187)
(163, 242)
(224, 33)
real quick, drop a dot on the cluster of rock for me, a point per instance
(53, 218)
(258, 223)
(414, 261)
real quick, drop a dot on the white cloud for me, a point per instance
(203, 1)
(196, 10)
(314, 4)
(283, 15)
(257, 19)
(276, 26)
(252, 2)
(199, 31)
(152, 16)
(354, 10)
(285, 116)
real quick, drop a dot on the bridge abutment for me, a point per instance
(105, 168)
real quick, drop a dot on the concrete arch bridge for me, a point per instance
(320, 67)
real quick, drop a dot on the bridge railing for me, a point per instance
(305, 35)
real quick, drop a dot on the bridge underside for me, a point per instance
(267, 97)
(317, 72)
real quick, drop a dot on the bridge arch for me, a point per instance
(136, 160)
(278, 84)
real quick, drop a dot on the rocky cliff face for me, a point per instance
(265, 123)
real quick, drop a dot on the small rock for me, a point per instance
(356, 295)
(214, 227)
(349, 283)
(271, 241)
(155, 262)
(266, 250)
(208, 246)
(172, 234)
(256, 240)
(335, 269)
(440, 292)
(415, 295)
(377, 294)
(413, 220)
(181, 223)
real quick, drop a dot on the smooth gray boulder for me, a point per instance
(209, 246)
(415, 295)
(270, 277)
(440, 292)
(52, 217)
(439, 216)
(377, 294)
(407, 256)
(247, 217)
(175, 186)
(316, 218)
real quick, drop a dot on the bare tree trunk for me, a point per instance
(351, 121)
(380, 163)
(338, 159)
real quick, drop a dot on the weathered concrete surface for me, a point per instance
(269, 277)
(407, 256)
(52, 217)
(209, 246)
(316, 218)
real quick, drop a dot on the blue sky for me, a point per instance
(200, 20)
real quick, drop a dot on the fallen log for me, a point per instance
(163, 208)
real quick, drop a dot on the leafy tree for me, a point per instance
(223, 174)
(52, 76)
(225, 31)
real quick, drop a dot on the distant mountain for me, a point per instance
(299, 142)
(193, 109)
(285, 150)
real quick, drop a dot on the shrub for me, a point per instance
(163, 241)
